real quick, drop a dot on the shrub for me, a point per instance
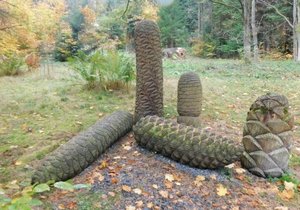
(111, 70)
(202, 49)
(10, 65)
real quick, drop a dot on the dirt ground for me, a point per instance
(129, 177)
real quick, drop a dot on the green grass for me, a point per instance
(38, 114)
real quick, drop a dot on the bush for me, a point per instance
(109, 71)
(202, 49)
(10, 65)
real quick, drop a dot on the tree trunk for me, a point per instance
(247, 31)
(199, 19)
(254, 31)
(296, 24)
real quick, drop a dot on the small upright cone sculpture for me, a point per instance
(149, 78)
(268, 136)
(189, 100)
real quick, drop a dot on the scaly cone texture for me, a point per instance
(149, 84)
(186, 144)
(78, 153)
(189, 100)
(268, 136)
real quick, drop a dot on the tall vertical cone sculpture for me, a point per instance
(149, 84)
(268, 136)
(189, 99)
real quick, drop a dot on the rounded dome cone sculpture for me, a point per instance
(268, 136)
(189, 100)
(149, 84)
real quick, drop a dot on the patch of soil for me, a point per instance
(140, 179)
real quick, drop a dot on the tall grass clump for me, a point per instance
(109, 71)
(10, 65)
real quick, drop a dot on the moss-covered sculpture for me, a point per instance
(189, 100)
(186, 144)
(78, 153)
(149, 84)
(268, 136)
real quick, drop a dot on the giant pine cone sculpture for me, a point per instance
(78, 153)
(189, 100)
(268, 136)
(186, 144)
(149, 84)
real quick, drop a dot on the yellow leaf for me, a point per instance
(104, 164)
(155, 186)
(137, 191)
(100, 178)
(130, 208)
(126, 188)
(169, 177)
(150, 205)
(289, 185)
(199, 180)
(286, 194)
(213, 177)
(221, 190)
(230, 165)
(240, 170)
(164, 194)
(168, 184)
(18, 163)
(139, 204)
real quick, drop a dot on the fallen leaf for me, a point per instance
(127, 148)
(230, 165)
(100, 177)
(139, 204)
(114, 180)
(213, 177)
(168, 184)
(130, 208)
(240, 170)
(286, 194)
(198, 181)
(164, 193)
(155, 186)
(137, 191)
(178, 183)
(112, 194)
(289, 185)
(61, 206)
(221, 190)
(126, 188)
(103, 165)
(281, 208)
(150, 205)
(18, 163)
(169, 177)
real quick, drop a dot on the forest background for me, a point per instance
(57, 29)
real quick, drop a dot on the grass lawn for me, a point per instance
(37, 113)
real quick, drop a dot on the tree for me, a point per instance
(172, 25)
(294, 24)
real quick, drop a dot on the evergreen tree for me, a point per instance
(172, 23)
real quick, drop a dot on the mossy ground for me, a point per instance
(38, 113)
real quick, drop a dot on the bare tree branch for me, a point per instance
(8, 27)
(278, 12)
(126, 9)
